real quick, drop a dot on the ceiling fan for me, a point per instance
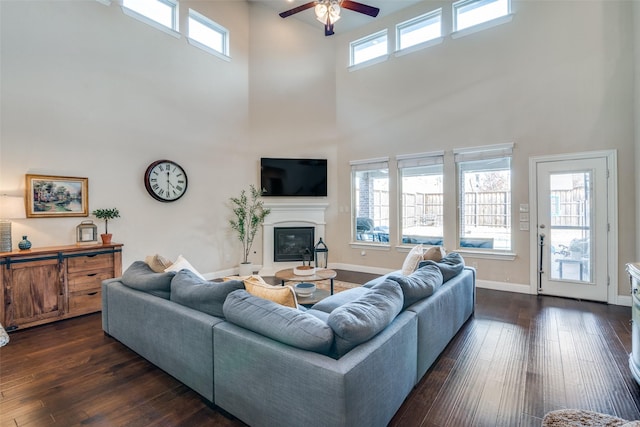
(328, 11)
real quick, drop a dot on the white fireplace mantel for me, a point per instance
(289, 214)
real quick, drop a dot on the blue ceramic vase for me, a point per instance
(24, 244)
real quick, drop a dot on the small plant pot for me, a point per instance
(246, 269)
(106, 238)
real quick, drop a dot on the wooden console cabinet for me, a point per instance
(43, 285)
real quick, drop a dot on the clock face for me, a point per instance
(165, 180)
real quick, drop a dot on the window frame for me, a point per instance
(140, 16)
(412, 161)
(475, 154)
(361, 166)
(354, 44)
(418, 19)
(212, 25)
(498, 20)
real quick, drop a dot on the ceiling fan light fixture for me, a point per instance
(327, 11)
(334, 12)
(321, 12)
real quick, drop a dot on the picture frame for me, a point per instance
(49, 196)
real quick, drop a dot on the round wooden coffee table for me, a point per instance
(320, 274)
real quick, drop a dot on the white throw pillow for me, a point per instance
(412, 260)
(181, 264)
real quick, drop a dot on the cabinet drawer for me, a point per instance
(89, 262)
(85, 302)
(86, 280)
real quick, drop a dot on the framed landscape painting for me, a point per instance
(56, 196)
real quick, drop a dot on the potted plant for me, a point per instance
(106, 214)
(249, 214)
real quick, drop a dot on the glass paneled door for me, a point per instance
(572, 228)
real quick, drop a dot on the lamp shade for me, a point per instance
(12, 207)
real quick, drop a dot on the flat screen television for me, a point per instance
(293, 177)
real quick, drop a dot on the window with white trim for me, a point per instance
(163, 12)
(484, 191)
(206, 34)
(368, 48)
(421, 198)
(468, 13)
(419, 30)
(370, 190)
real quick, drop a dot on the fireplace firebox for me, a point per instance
(290, 243)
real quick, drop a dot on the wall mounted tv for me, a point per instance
(293, 177)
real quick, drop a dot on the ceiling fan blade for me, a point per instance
(359, 7)
(297, 9)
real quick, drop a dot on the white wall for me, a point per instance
(557, 79)
(88, 91)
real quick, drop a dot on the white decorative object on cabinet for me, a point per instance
(634, 357)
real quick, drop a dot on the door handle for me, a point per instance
(540, 269)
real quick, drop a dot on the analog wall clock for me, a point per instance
(165, 180)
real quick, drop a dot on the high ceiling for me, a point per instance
(349, 19)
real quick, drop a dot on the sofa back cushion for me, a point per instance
(284, 324)
(450, 265)
(191, 291)
(360, 320)
(141, 277)
(420, 284)
(341, 298)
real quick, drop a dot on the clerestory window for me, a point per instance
(368, 48)
(153, 12)
(468, 13)
(419, 30)
(207, 35)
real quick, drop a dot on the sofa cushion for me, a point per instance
(284, 295)
(182, 264)
(362, 319)
(208, 297)
(284, 324)
(451, 265)
(412, 259)
(158, 263)
(420, 284)
(336, 300)
(434, 253)
(141, 277)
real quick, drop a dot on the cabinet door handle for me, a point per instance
(92, 293)
(91, 274)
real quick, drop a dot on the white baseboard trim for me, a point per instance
(624, 300)
(503, 286)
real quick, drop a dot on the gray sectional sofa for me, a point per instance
(349, 360)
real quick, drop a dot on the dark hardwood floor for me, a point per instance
(517, 358)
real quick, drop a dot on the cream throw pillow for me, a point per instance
(412, 260)
(182, 264)
(283, 295)
(434, 253)
(158, 263)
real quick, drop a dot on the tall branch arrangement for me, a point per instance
(249, 214)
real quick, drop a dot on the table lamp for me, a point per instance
(11, 207)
